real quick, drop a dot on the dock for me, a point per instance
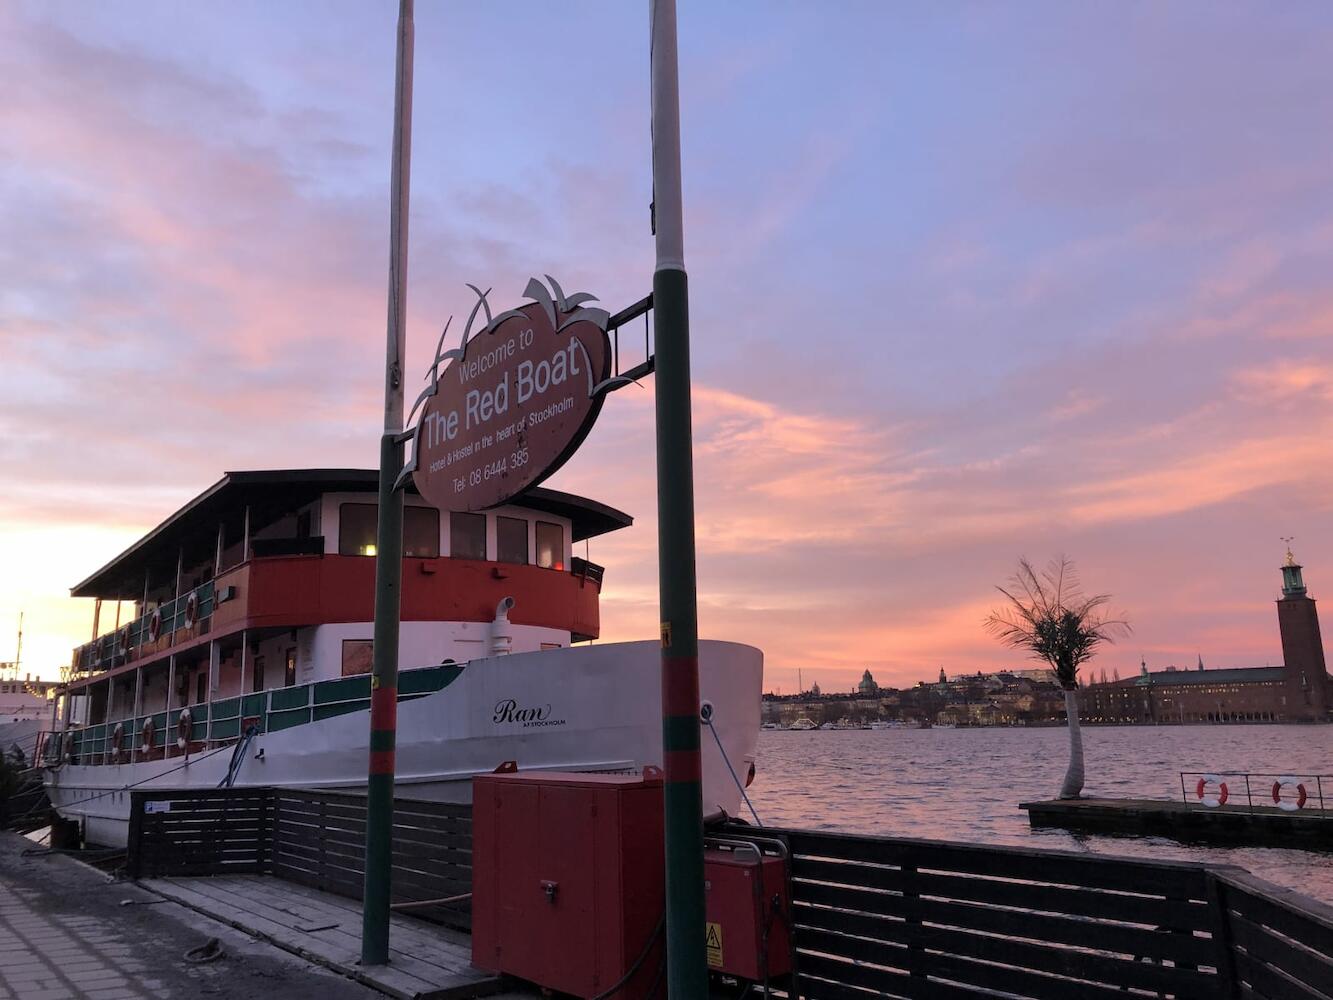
(1263, 826)
(425, 961)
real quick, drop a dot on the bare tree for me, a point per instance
(1048, 615)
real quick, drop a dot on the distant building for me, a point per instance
(867, 688)
(1298, 691)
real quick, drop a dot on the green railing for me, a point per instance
(112, 650)
(220, 722)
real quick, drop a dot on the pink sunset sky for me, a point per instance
(968, 282)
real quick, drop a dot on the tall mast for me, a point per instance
(687, 970)
(389, 536)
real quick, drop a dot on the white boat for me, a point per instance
(274, 641)
(803, 724)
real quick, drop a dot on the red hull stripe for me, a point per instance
(680, 685)
(681, 766)
(381, 762)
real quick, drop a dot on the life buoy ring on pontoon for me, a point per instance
(1286, 781)
(191, 609)
(184, 728)
(1201, 791)
(155, 625)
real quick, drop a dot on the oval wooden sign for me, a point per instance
(513, 408)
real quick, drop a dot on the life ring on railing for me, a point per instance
(1287, 781)
(67, 745)
(118, 739)
(125, 640)
(1211, 801)
(155, 625)
(184, 728)
(191, 609)
(146, 734)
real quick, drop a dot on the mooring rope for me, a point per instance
(706, 716)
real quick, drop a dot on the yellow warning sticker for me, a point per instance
(713, 943)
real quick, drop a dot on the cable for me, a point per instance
(652, 938)
(136, 784)
(706, 715)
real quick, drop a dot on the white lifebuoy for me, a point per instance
(118, 739)
(1210, 800)
(155, 625)
(146, 735)
(191, 609)
(1286, 805)
(125, 640)
(184, 729)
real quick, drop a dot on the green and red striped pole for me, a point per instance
(389, 535)
(687, 970)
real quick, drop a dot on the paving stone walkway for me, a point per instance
(64, 935)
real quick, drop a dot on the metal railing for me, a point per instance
(1289, 791)
(125, 643)
(221, 721)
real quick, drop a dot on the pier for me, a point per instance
(869, 916)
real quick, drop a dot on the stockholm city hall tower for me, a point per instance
(1307, 681)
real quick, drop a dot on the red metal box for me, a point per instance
(747, 899)
(567, 879)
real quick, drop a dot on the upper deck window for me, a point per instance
(511, 540)
(357, 524)
(550, 545)
(467, 536)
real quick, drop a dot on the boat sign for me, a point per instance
(514, 403)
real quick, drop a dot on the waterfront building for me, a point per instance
(1299, 690)
(867, 688)
(24, 700)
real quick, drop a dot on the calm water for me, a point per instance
(965, 784)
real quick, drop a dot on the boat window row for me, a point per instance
(358, 525)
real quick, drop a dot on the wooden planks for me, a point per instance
(1283, 941)
(915, 918)
(424, 960)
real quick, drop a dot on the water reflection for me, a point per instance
(965, 784)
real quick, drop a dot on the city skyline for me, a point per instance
(962, 300)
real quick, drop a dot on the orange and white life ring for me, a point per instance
(146, 734)
(184, 728)
(1287, 805)
(155, 625)
(125, 640)
(118, 738)
(67, 748)
(1208, 799)
(191, 609)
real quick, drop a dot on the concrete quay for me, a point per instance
(1262, 826)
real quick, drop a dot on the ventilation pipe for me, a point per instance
(502, 637)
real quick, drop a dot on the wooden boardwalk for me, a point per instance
(425, 961)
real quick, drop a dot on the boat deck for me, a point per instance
(425, 961)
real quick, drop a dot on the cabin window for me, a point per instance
(358, 656)
(358, 523)
(259, 674)
(467, 536)
(511, 540)
(550, 545)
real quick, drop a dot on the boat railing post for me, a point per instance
(1249, 799)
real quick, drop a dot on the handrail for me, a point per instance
(1208, 792)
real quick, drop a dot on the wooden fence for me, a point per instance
(316, 838)
(924, 919)
(871, 917)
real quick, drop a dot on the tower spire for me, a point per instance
(1292, 583)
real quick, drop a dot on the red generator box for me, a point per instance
(749, 912)
(567, 879)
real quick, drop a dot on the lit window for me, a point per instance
(358, 524)
(550, 545)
